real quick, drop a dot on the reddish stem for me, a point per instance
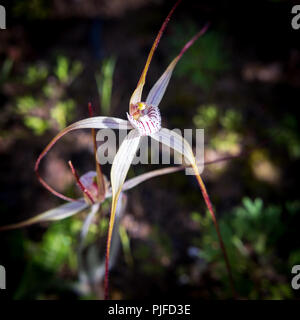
(211, 211)
(81, 186)
(100, 179)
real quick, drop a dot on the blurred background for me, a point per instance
(240, 82)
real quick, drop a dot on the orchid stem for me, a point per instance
(81, 186)
(100, 179)
(109, 236)
(211, 211)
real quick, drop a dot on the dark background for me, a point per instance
(240, 82)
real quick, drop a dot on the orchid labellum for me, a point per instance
(144, 119)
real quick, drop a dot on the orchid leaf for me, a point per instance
(64, 211)
(158, 90)
(137, 94)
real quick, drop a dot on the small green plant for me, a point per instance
(104, 84)
(223, 127)
(251, 232)
(287, 135)
(51, 108)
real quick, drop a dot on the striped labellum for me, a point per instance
(146, 119)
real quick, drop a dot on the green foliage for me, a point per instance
(223, 126)
(26, 104)
(207, 116)
(35, 74)
(250, 232)
(288, 135)
(125, 241)
(104, 80)
(210, 117)
(50, 107)
(64, 71)
(5, 70)
(62, 112)
(36, 124)
(47, 258)
(205, 60)
(34, 9)
(56, 247)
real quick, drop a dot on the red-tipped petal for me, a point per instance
(158, 90)
(137, 94)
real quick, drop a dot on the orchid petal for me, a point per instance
(176, 142)
(147, 124)
(119, 170)
(93, 270)
(133, 182)
(158, 90)
(123, 160)
(87, 223)
(64, 211)
(137, 94)
(88, 123)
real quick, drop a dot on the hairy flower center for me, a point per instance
(144, 118)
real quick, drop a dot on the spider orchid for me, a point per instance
(143, 119)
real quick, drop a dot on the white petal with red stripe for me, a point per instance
(148, 123)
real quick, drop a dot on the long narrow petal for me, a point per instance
(87, 223)
(158, 90)
(100, 177)
(92, 271)
(176, 142)
(133, 182)
(137, 94)
(89, 123)
(119, 170)
(59, 213)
